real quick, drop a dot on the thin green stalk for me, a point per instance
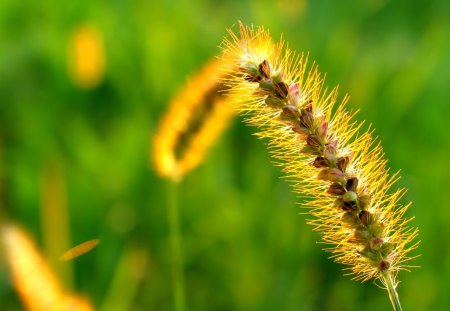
(393, 296)
(175, 244)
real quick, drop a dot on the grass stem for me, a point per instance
(393, 296)
(175, 244)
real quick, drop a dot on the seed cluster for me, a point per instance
(352, 201)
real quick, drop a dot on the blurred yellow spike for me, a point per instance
(86, 57)
(194, 120)
(32, 277)
(80, 249)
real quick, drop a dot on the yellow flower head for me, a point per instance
(341, 173)
(196, 117)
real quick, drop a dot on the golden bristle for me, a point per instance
(197, 115)
(75, 303)
(86, 57)
(338, 170)
(32, 277)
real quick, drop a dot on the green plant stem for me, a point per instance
(393, 296)
(175, 244)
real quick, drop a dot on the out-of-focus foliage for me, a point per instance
(245, 245)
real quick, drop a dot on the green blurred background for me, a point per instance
(245, 246)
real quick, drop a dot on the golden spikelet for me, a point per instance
(196, 117)
(86, 57)
(32, 277)
(341, 173)
(79, 249)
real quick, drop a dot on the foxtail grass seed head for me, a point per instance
(320, 148)
(31, 275)
(194, 120)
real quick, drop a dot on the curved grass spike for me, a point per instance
(196, 117)
(339, 170)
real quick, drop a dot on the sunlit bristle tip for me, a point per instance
(194, 120)
(321, 148)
